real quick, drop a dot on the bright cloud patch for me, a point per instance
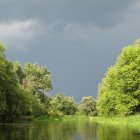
(17, 32)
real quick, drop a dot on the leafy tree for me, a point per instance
(19, 72)
(22, 89)
(36, 78)
(2, 64)
(62, 105)
(119, 93)
(8, 87)
(17, 104)
(87, 106)
(2, 104)
(37, 81)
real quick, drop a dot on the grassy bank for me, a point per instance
(46, 119)
(129, 120)
(133, 121)
(64, 118)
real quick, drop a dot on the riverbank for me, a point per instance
(64, 118)
(46, 119)
(133, 120)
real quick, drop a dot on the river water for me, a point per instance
(68, 130)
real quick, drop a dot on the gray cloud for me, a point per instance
(101, 13)
(76, 39)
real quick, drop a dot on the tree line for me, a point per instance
(23, 93)
(24, 88)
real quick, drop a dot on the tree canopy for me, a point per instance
(87, 106)
(62, 105)
(119, 92)
(22, 89)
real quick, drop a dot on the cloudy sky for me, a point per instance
(76, 39)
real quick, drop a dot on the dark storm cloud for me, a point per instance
(100, 12)
(76, 39)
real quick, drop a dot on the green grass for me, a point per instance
(64, 118)
(74, 117)
(130, 120)
(133, 120)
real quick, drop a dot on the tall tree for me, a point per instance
(22, 89)
(119, 93)
(36, 79)
(8, 88)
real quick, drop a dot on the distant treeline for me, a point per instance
(23, 90)
(23, 93)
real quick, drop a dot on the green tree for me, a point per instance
(22, 89)
(87, 106)
(19, 72)
(2, 63)
(119, 93)
(62, 105)
(37, 81)
(9, 90)
(36, 78)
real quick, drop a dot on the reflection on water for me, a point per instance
(71, 130)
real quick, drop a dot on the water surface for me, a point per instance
(69, 130)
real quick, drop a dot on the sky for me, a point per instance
(76, 39)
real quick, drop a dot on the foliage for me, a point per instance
(37, 78)
(132, 120)
(37, 81)
(22, 89)
(119, 93)
(87, 106)
(23, 93)
(62, 105)
(8, 84)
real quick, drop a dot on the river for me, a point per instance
(68, 130)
